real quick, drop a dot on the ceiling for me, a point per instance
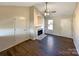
(61, 8)
(18, 3)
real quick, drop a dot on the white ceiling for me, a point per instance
(18, 3)
(61, 8)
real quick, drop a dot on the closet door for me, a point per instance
(20, 29)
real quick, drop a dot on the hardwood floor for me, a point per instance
(49, 46)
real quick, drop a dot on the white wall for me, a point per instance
(76, 27)
(62, 26)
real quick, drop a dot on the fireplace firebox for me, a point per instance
(40, 32)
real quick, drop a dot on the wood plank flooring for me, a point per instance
(51, 45)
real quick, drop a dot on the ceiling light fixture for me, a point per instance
(47, 12)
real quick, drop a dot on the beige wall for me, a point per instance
(37, 18)
(32, 28)
(76, 27)
(8, 15)
(62, 26)
(35, 23)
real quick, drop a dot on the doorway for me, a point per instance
(50, 26)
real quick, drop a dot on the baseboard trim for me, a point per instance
(58, 35)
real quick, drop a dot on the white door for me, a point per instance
(20, 29)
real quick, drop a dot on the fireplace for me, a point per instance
(40, 32)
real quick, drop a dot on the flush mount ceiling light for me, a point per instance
(47, 12)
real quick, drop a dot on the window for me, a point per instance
(50, 24)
